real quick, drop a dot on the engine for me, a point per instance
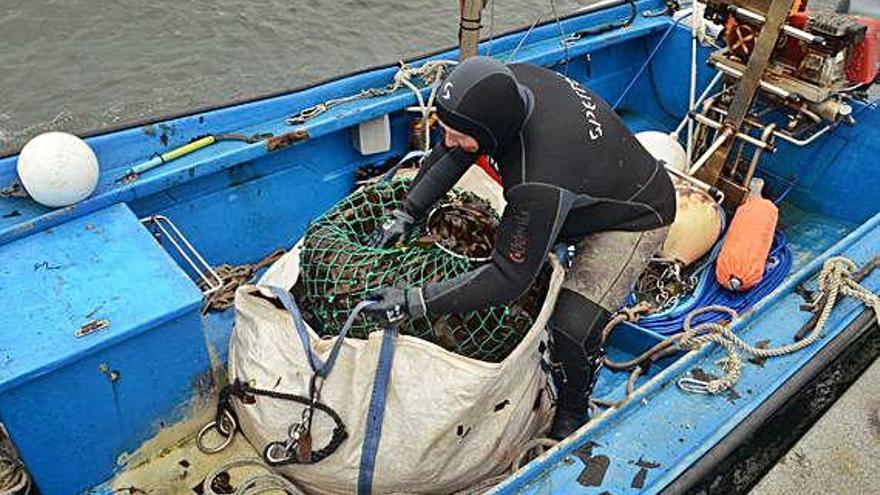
(793, 81)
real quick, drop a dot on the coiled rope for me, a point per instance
(253, 485)
(838, 277)
(14, 479)
(835, 280)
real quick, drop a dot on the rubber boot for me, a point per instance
(576, 352)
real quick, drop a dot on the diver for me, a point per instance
(571, 172)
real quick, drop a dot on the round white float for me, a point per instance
(58, 169)
(664, 147)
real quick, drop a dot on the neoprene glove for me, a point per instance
(392, 231)
(391, 305)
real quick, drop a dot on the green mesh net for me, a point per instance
(338, 269)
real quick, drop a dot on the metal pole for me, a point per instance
(469, 28)
(725, 135)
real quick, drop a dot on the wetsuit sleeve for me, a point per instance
(440, 170)
(529, 227)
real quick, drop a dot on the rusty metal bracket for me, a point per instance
(91, 327)
(284, 140)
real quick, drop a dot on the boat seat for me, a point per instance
(100, 344)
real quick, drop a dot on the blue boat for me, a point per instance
(107, 352)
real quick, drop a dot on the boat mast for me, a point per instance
(469, 27)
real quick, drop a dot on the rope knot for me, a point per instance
(835, 270)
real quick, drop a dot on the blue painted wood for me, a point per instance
(238, 201)
(57, 396)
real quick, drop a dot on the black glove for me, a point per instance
(391, 305)
(392, 231)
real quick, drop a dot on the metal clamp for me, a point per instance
(161, 225)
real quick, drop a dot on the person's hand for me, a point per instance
(392, 231)
(391, 305)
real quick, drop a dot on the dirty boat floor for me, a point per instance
(807, 235)
(172, 464)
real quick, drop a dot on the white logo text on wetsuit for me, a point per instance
(588, 107)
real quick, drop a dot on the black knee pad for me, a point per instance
(577, 321)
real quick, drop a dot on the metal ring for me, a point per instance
(200, 438)
(272, 460)
(229, 420)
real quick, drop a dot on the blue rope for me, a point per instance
(709, 292)
(648, 61)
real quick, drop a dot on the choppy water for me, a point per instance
(79, 65)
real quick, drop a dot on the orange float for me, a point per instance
(744, 251)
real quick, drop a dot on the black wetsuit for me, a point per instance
(569, 167)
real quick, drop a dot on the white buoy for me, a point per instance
(664, 147)
(58, 169)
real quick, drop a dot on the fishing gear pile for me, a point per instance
(339, 269)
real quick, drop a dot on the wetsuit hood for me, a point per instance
(482, 98)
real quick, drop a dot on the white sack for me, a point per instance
(450, 421)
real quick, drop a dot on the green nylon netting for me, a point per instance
(338, 270)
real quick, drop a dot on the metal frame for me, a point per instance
(173, 235)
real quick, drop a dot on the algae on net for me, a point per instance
(338, 269)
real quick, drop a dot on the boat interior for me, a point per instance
(110, 366)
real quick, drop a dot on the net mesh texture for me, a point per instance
(339, 269)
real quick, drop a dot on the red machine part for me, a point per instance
(864, 61)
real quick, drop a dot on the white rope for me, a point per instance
(253, 485)
(431, 73)
(562, 35)
(835, 280)
(14, 479)
(512, 56)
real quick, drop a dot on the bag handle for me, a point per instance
(320, 368)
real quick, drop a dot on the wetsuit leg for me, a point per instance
(575, 347)
(606, 267)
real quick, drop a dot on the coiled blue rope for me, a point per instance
(710, 292)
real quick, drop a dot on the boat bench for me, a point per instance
(99, 319)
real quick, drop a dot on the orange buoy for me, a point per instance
(740, 264)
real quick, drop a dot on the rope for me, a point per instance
(430, 73)
(562, 36)
(834, 281)
(233, 277)
(647, 61)
(522, 40)
(14, 479)
(253, 485)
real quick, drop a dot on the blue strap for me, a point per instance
(319, 367)
(376, 412)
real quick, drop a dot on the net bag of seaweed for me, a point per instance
(431, 407)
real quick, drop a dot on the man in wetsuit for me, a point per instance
(571, 171)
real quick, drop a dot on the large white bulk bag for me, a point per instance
(449, 421)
